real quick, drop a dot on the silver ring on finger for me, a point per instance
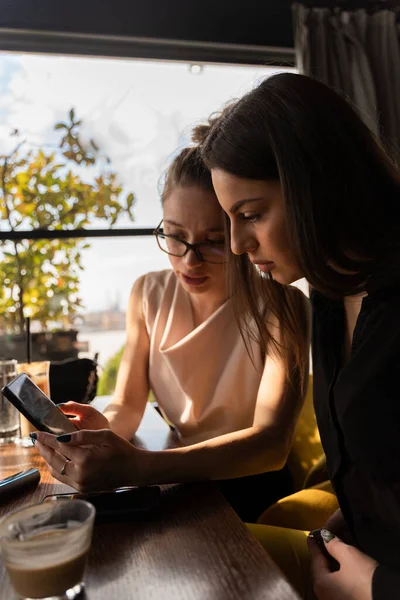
(62, 472)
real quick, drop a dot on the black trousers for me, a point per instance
(250, 496)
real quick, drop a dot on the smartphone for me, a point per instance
(119, 504)
(36, 406)
(19, 481)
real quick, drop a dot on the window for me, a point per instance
(131, 117)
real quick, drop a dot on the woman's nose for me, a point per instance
(241, 242)
(191, 259)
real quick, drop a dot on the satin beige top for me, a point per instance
(203, 378)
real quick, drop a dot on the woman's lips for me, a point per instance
(195, 281)
(265, 267)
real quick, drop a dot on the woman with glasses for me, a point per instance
(233, 407)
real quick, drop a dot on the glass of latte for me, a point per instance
(45, 548)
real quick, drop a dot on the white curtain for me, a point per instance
(357, 53)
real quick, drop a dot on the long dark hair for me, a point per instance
(340, 189)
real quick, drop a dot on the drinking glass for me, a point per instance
(9, 415)
(39, 373)
(45, 548)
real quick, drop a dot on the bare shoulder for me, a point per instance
(135, 305)
(137, 288)
(152, 279)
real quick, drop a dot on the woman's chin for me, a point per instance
(195, 291)
(285, 277)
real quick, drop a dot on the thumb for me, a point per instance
(86, 437)
(335, 546)
(74, 408)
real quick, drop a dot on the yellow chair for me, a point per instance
(306, 451)
(282, 529)
(314, 501)
(288, 549)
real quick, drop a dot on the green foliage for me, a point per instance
(47, 190)
(108, 377)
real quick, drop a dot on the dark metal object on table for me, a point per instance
(17, 482)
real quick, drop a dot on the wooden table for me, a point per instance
(193, 547)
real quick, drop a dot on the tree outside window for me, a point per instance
(51, 188)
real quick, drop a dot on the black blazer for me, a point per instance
(358, 414)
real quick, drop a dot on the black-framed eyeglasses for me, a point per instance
(211, 252)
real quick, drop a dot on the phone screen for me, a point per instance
(36, 406)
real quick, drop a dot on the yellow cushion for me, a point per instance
(288, 549)
(306, 448)
(305, 510)
(318, 473)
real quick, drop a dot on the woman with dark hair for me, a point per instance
(233, 408)
(309, 192)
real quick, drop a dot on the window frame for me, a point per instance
(108, 46)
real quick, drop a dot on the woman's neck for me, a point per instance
(203, 306)
(352, 307)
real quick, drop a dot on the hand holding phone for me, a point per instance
(29, 399)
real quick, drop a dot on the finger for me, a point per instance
(74, 408)
(50, 455)
(74, 451)
(79, 422)
(319, 563)
(335, 546)
(46, 439)
(86, 437)
(55, 462)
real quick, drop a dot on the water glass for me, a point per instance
(9, 415)
(39, 372)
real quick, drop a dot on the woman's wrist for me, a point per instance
(163, 466)
(140, 468)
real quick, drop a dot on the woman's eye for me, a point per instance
(176, 235)
(252, 217)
